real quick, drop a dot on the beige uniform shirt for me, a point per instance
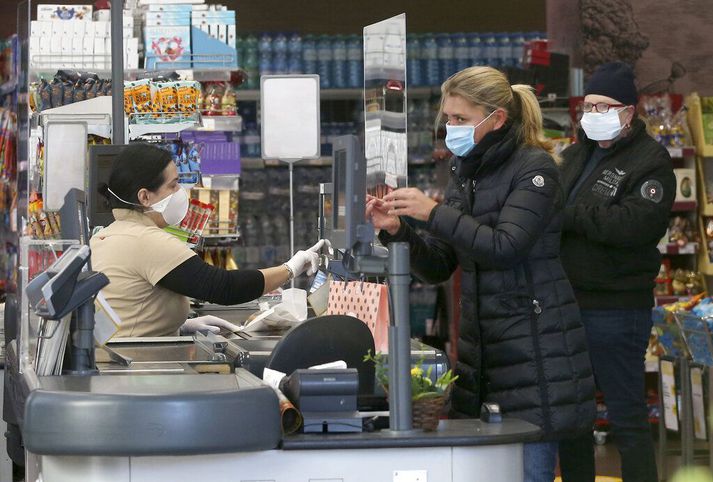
(135, 254)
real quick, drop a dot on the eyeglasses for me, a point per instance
(601, 107)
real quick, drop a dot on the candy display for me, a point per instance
(681, 231)
(224, 219)
(191, 227)
(708, 229)
(161, 100)
(668, 128)
(67, 87)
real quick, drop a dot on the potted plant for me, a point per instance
(427, 398)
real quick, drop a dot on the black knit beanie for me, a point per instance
(615, 80)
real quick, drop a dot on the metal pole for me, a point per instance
(399, 339)
(292, 217)
(663, 442)
(117, 72)
(686, 411)
(83, 341)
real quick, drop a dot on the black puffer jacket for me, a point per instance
(521, 341)
(615, 220)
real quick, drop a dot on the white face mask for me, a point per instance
(602, 127)
(173, 208)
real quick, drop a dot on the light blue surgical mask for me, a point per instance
(460, 140)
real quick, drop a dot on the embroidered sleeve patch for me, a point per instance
(538, 181)
(652, 190)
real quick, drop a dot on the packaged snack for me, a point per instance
(167, 97)
(78, 92)
(188, 93)
(56, 93)
(144, 98)
(129, 98)
(229, 104)
(45, 91)
(68, 93)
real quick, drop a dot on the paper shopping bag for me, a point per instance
(367, 301)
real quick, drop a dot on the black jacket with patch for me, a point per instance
(521, 342)
(616, 219)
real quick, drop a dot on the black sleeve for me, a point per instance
(634, 220)
(196, 279)
(527, 211)
(432, 259)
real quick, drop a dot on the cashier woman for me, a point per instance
(152, 273)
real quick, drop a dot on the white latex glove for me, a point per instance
(306, 261)
(206, 323)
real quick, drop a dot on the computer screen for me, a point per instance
(101, 160)
(348, 189)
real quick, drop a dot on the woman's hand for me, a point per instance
(409, 201)
(377, 213)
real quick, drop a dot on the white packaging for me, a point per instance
(89, 31)
(56, 28)
(88, 47)
(99, 53)
(131, 47)
(231, 35)
(45, 28)
(77, 52)
(103, 15)
(213, 30)
(79, 29)
(64, 12)
(34, 51)
(101, 29)
(223, 32)
(35, 28)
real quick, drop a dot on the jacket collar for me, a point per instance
(133, 216)
(638, 128)
(493, 149)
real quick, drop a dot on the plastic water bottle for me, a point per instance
(355, 61)
(294, 50)
(413, 61)
(517, 43)
(490, 49)
(265, 44)
(324, 62)
(279, 44)
(461, 51)
(475, 49)
(446, 55)
(252, 140)
(504, 50)
(339, 70)
(280, 63)
(430, 57)
(309, 54)
(251, 62)
(266, 64)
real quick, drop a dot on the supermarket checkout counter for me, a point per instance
(176, 411)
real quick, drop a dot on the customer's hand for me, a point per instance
(205, 324)
(377, 213)
(305, 261)
(409, 201)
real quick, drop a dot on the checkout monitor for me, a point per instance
(101, 160)
(348, 191)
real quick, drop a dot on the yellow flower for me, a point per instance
(416, 372)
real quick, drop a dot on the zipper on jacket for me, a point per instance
(536, 311)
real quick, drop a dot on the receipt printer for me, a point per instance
(327, 398)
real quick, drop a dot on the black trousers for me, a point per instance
(617, 342)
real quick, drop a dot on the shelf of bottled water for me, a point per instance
(338, 59)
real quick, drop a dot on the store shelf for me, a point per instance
(674, 248)
(668, 299)
(681, 152)
(232, 123)
(682, 206)
(259, 163)
(137, 130)
(341, 94)
(203, 75)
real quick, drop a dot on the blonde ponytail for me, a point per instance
(489, 88)
(531, 131)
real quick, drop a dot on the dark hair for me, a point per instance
(138, 166)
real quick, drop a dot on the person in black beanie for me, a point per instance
(620, 187)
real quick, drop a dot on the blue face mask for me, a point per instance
(460, 140)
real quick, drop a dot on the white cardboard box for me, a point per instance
(685, 184)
